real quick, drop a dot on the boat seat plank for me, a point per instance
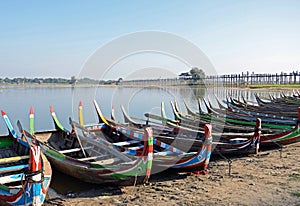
(188, 154)
(74, 150)
(126, 143)
(163, 153)
(90, 158)
(136, 147)
(13, 159)
(96, 152)
(107, 161)
(12, 178)
(13, 168)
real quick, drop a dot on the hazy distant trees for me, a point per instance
(24, 80)
(119, 80)
(73, 80)
(197, 73)
(193, 77)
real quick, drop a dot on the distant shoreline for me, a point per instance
(60, 86)
(275, 86)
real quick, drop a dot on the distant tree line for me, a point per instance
(35, 80)
(71, 81)
(195, 74)
(24, 80)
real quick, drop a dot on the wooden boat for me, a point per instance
(25, 172)
(288, 136)
(286, 110)
(258, 114)
(224, 143)
(220, 123)
(292, 101)
(271, 118)
(244, 116)
(192, 141)
(165, 156)
(84, 156)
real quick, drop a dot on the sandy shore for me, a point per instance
(255, 180)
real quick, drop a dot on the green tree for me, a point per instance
(73, 80)
(197, 73)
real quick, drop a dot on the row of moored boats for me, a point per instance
(111, 151)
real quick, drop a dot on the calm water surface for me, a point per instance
(137, 101)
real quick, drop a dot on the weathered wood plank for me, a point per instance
(91, 158)
(74, 150)
(13, 159)
(107, 161)
(12, 178)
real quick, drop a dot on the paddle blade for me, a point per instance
(19, 125)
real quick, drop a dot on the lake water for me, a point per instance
(16, 101)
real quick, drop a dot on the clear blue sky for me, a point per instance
(54, 38)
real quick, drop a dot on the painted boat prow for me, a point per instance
(57, 124)
(29, 163)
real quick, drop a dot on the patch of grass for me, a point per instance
(277, 86)
(271, 183)
(297, 194)
(283, 184)
(295, 176)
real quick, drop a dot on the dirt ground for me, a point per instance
(267, 179)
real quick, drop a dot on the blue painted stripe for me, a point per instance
(10, 127)
(5, 169)
(37, 190)
(195, 160)
(131, 152)
(4, 192)
(15, 176)
(24, 143)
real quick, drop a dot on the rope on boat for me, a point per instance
(135, 180)
(257, 132)
(278, 144)
(29, 175)
(228, 160)
(280, 150)
(57, 201)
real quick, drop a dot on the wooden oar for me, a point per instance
(79, 141)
